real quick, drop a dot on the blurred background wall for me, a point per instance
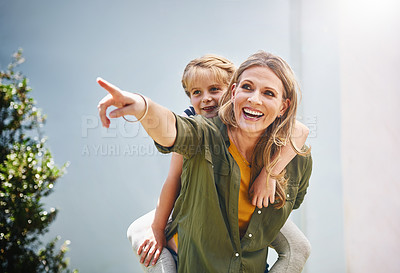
(369, 73)
(345, 54)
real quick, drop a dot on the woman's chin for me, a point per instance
(250, 127)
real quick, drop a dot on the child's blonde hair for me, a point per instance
(220, 67)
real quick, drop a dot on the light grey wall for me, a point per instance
(370, 57)
(321, 103)
(116, 175)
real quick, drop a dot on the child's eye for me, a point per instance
(196, 92)
(246, 86)
(214, 89)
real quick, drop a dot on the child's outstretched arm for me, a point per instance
(152, 246)
(262, 193)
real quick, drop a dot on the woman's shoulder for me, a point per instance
(202, 126)
(217, 123)
(213, 122)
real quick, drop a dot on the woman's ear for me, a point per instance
(285, 105)
(233, 93)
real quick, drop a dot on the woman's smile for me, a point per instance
(252, 114)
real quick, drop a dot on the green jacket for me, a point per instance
(206, 211)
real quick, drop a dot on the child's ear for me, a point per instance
(233, 93)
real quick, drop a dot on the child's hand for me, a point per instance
(151, 247)
(260, 193)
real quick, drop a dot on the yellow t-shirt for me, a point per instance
(176, 239)
(245, 208)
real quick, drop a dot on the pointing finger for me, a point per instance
(112, 89)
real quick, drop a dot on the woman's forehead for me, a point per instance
(263, 76)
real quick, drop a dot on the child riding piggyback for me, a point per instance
(204, 80)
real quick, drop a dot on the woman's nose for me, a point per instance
(255, 98)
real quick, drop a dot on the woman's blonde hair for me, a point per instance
(267, 150)
(221, 68)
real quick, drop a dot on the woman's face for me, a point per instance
(258, 99)
(205, 93)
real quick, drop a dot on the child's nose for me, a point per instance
(207, 98)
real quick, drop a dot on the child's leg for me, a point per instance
(293, 249)
(136, 234)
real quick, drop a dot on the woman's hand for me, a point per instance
(151, 247)
(126, 102)
(158, 121)
(260, 192)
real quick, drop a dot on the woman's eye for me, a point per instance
(269, 93)
(246, 86)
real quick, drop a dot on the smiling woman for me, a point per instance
(260, 110)
(218, 227)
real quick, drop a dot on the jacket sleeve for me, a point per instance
(304, 182)
(190, 136)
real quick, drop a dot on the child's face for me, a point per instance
(205, 93)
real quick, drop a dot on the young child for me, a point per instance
(204, 81)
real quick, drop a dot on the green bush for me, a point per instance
(27, 173)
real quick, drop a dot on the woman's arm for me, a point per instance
(261, 192)
(154, 243)
(159, 122)
(300, 134)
